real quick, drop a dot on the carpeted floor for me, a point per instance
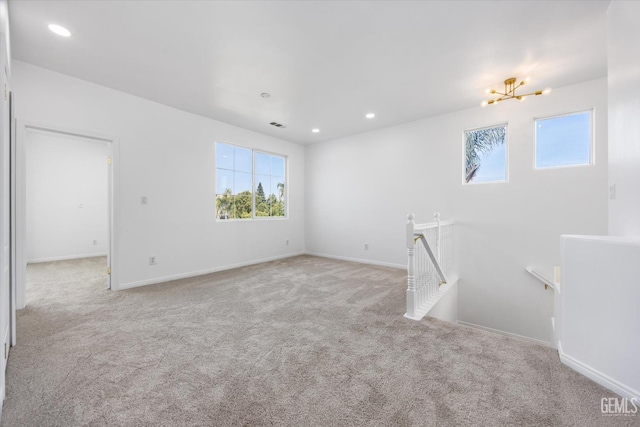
(304, 341)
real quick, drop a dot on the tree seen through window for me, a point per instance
(238, 171)
(486, 155)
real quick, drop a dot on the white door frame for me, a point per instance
(20, 190)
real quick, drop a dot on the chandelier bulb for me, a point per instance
(546, 91)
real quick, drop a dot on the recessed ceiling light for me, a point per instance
(315, 130)
(61, 31)
(370, 116)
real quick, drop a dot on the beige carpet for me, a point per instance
(300, 342)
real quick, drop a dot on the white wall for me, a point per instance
(168, 156)
(66, 197)
(597, 315)
(363, 186)
(624, 110)
(6, 314)
(599, 321)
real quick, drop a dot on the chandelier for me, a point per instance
(510, 88)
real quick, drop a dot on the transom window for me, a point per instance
(249, 183)
(485, 155)
(564, 140)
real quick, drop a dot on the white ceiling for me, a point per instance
(325, 63)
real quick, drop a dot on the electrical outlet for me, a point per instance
(366, 246)
(95, 242)
(143, 200)
(152, 260)
(612, 191)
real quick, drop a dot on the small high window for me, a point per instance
(564, 140)
(486, 155)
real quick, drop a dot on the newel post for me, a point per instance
(436, 218)
(411, 269)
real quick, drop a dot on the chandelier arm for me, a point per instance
(532, 93)
(513, 91)
(511, 85)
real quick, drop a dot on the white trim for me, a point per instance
(358, 260)
(20, 191)
(254, 217)
(187, 275)
(542, 278)
(617, 240)
(257, 218)
(506, 155)
(12, 231)
(592, 145)
(509, 334)
(66, 257)
(427, 225)
(114, 213)
(424, 310)
(597, 376)
(5, 360)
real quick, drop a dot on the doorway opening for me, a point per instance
(64, 211)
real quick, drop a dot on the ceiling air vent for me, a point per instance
(278, 125)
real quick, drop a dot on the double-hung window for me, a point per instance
(249, 183)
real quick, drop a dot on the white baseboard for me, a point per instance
(64, 258)
(358, 260)
(164, 279)
(597, 376)
(509, 334)
(3, 386)
(429, 306)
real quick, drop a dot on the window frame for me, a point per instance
(592, 147)
(253, 184)
(506, 154)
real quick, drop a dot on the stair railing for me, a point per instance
(547, 282)
(429, 261)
